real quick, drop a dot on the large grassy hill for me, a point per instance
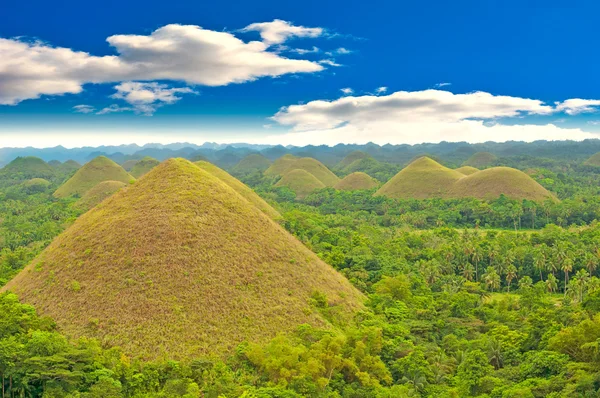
(92, 173)
(252, 163)
(301, 182)
(98, 193)
(25, 168)
(423, 178)
(480, 160)
(143, 166)
(467, 170)
(180, 265)
(240, 188)
(491, 183)
(352, 157)
(316, 168)
(357, 180)
(594, 160)
(280, 165)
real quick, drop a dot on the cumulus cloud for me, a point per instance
(84, 109)
(416, 117)
(279, 31)
(147, 97)
(347, 91)
(576, 106)
(185, 53)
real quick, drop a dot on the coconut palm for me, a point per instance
(511, 273)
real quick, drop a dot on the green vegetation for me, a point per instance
(356, 180)
(594, 160)
(351, 158)
(128, 165)
(379, 170)
(280, 165)
(301, 182)
(36, 185)
(467, 170)
(91, 174)
(252, 163)
(143, 166)
(98, 193)
(26, 168)
(480, 160)
(67, 168)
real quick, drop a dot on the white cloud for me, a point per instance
(114, 108)
(347, 91)
(185, 53)
(84, 109)
(342, 51)
(303, 51)
(576, 106)
(278, 31)
(147, 97)
(594, 122)
(381, 90)
(440, 85)
(330, 62)
(416, 117)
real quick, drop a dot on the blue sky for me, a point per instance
(532, 65)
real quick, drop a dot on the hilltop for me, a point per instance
(178, 266)
(351, 158)
(423, 178)
(594, 160)
(280, 165)
(98, 193)
(35, 185)
(357, 180)
(240, 188)
(143, 166)
(301, 182)
(92, 173)
(26, 168)
(252, 163)
(128, 165)
(493, 182)
(480, 160)
(467, 170)
(317, 169)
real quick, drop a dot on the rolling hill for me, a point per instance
(92, 173)
(128, 165)
(35, 185)
(179, 265)
(594, 160)
(317, 169)
(467, 170)
(280, 165)
(26, 168)
(491, 183)
(352, 157)
(252, 163)
(240, 188)
(480, 160)
(355, 181)
(98, 193)
(301, 182)
(423, 178)
(143, 166)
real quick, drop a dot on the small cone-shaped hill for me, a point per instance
(301, 182)
(280, 165)
(35, 185)
(240, 188)
(91, 174)
(128, 165)
(252, 163)
(179, 265)
(98, 193)
(357, 180)
(467, 170)
(594, 160)
(480, 160)
(27, 167)
(493, 182)
(143, 166)
(351, 158)
(423, 178)
(317, 169)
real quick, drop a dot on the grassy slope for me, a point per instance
(480, 160)
(594, 160)
(351, 158)
(467, 170)
(179, 265)
(252, 162)
(240, 188)
(128, 165)
(280, 165)
(92, 173)
(491, 183)
(24, 168)
(143, 166)
(300, 181)
(317, 169)
(357, 180)
(423, 178)
(98, 193)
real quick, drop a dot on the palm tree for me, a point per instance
(477, 256)
(551, 283)
(539, 261)
(416, 378)
(591, 263)
(491, 278)
(467, 271)
(511, 273)
(567, 266)
(495, 353)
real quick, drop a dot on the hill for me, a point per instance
(92, 173)
(467, 170)
(352, 157)
(181, 266)
(252, 163)
(98, 193)
(357, 180)
(491, 183)
(35, 185)
(240, 188)
(280, 165)
(301, 182)
(143, 166)
(423, 178)
(480, 160)
(128, 165)
(26, 168)
(317, 169)
(594, 160)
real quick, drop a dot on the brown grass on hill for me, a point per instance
(493, 182)
(252, 163)
(280, 165)
(357, 180)
(180, 265)
(91, 174)
(467, 170)
(594, 160)
(240, 188)
(317, 169)
(301, 182)
(98, 193)
(423, 178)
